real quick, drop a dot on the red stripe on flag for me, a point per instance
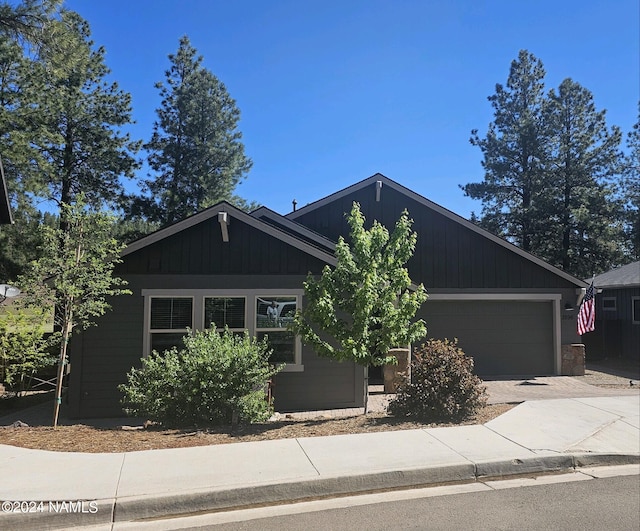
(587, 313)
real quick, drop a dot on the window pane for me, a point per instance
(223, 311)
(636, 310)
(170, 313)
(162, 342)
(275, 312)
(283, 345)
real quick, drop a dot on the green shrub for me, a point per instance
(216, 377)
(443, 387)
(24, 348)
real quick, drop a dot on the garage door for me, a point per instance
(503, 337)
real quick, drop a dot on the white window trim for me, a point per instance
(613, 308)
(198, 296)
(634, 321)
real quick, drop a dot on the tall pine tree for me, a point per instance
(583, 232)
(631, 192)
(195, 150)
(551, 172)
(82, 114)
(514, 150)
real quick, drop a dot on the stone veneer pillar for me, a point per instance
(573, 360)
(394, 375)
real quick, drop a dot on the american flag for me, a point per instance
(587, 313)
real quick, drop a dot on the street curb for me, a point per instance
(61, 519)
(139, 508)
(173, 505)
(134, 508)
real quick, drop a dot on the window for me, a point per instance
(273, 314)
(635, 310)
(609, 304)
(264, 313)
(225, 311)
(170, 317)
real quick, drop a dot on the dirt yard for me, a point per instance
(82, 438)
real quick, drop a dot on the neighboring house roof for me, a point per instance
(385, 181)
(216, 211)
(5, 205)
(626, 276)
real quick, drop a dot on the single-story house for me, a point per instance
(617, 328)
(5, 205)
(510, 310)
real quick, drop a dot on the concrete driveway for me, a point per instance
(503, 391)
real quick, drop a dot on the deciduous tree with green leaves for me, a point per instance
(75, 273)
(24, 347)
(365, 305)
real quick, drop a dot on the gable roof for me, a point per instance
(294, 228)
(235, 213)
(5, 205)
(626, 276)
(385, 181)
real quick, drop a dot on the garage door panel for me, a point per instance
(503, 337)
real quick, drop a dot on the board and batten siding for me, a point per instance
(448, 254)
(615, 335)
(199, 250)
(195, 258)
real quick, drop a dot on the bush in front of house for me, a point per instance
(218, 378)
(443, 387)
(25, 349)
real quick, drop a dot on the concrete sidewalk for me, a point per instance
(121, 489)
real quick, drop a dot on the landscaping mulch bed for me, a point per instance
(80, 438)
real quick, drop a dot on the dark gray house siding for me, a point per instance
(617, 330)
(200, 250)
(196, 259)
(449, 254)
(506, 307)
(616, 334)
(510, 310)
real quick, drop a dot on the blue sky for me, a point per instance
(332, 92)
